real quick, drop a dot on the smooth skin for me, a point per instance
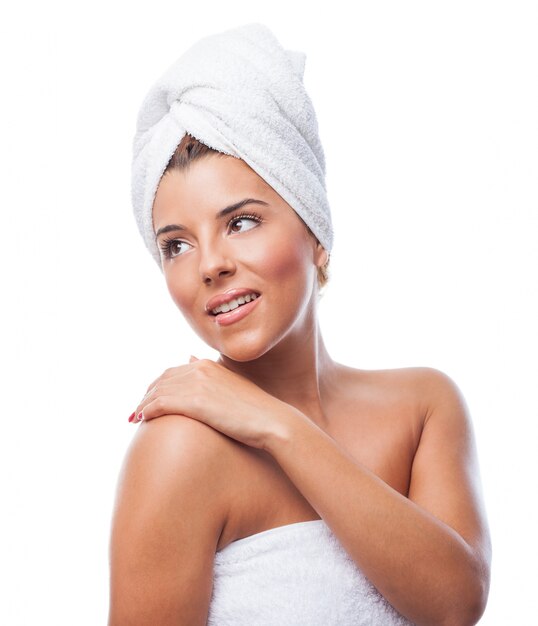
(276, 432)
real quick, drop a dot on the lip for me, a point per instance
(228, 296)
(225, 319)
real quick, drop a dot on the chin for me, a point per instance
(247, 344)
(241, 358)
(243, 348)
(243, 353)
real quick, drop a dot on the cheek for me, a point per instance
(180, 291)
(283, 262)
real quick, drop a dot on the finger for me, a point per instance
(165, 375)
(172, 391)
(148, 393)
(163, 405)
(149, 397)
(170, 372)
(160, 387)
(152, 384)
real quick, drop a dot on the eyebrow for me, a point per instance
(218, 216)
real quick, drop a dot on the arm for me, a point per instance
(167, 521)
(428, 554)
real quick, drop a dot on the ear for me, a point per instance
(321, 255)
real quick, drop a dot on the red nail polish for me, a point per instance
(131, 416)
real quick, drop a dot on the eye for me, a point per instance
(169, 246)
(244, 218)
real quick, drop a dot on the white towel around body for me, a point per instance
(294, 575)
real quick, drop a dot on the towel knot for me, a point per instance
(241, 93)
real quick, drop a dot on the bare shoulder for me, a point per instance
(386, 411)
(169, 514)
(430, 389)
(417, 388)
(432, 384)
(445, 477)
(182, 456)
(445, 471)
(181, 441)
(391, 374)
(178, 452)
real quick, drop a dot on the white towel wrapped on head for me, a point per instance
(241, 93)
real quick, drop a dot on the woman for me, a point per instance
(275, 485)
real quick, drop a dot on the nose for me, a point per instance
(216, 261)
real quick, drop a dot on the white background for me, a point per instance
(428, 115)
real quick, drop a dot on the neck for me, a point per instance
(298, 371)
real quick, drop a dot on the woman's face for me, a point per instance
(207, 252)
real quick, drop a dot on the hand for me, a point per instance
(211, 393)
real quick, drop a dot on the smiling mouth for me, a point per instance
(234, 304)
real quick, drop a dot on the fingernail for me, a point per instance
(131, 416)
(140, 416)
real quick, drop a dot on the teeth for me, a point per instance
(233, 304)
